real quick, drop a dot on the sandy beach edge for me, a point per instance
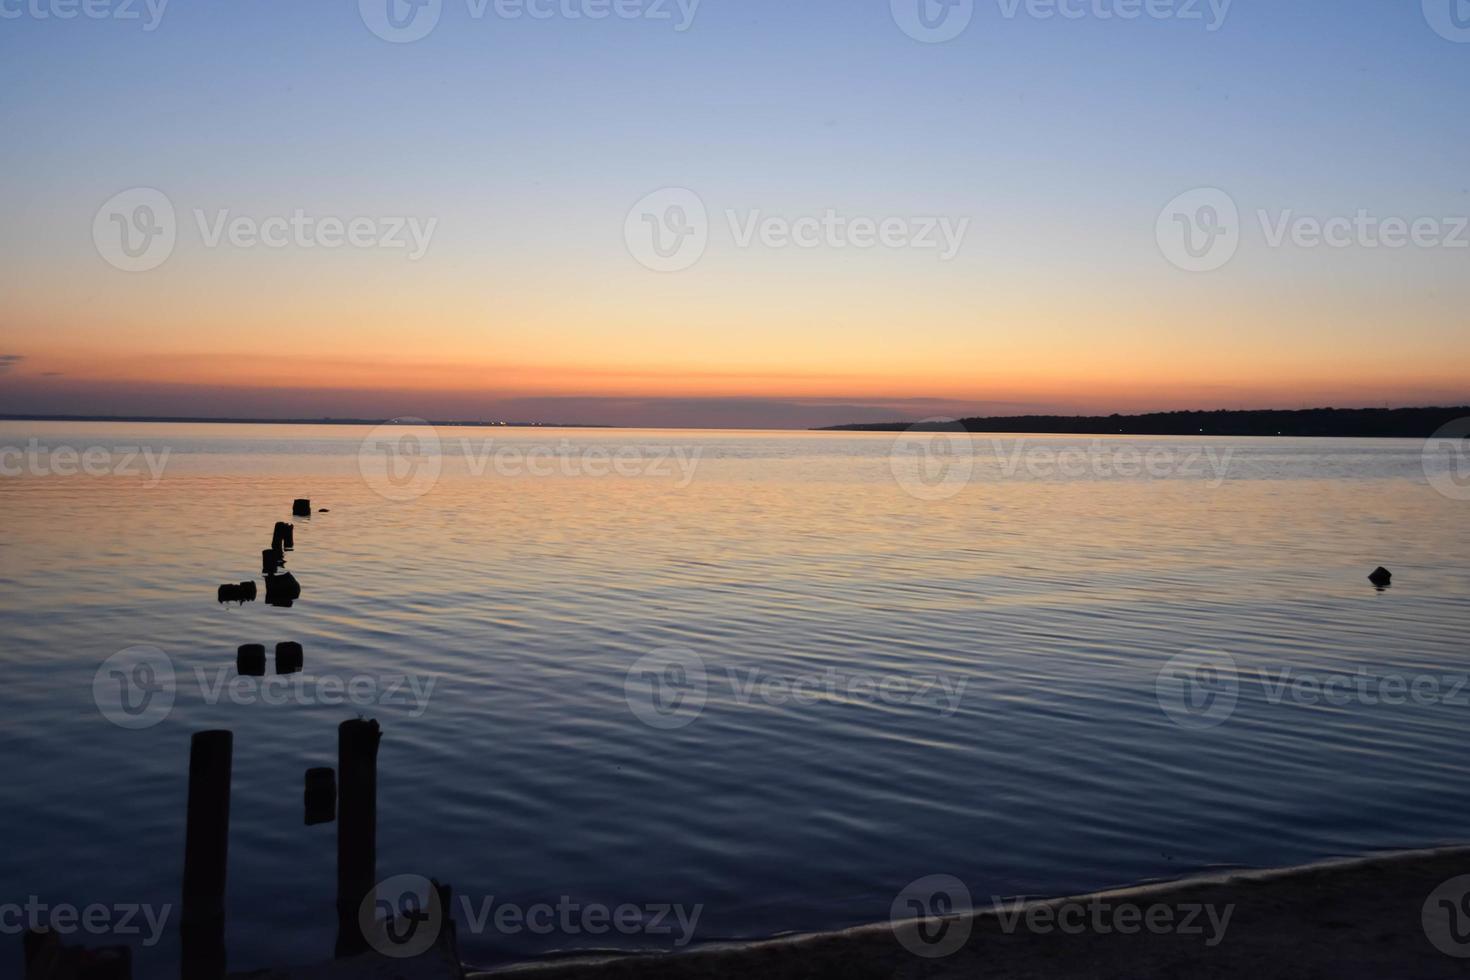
(1375, 915)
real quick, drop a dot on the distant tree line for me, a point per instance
(1393, 423)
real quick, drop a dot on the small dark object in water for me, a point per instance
(321, 796)
(244, 592)
(250, 660)
(323, 511)
(284, 538)
(271, 561)
(301, 507)
(289, 658)
(1381, 577)
(282, 589)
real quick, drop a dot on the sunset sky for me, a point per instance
(527, 141)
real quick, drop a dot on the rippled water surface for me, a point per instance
(894, 686)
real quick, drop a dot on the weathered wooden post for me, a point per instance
(283, 538)
(250, 660)
(206, 856)
(301, 507)
(289, 657)
(271, 560)
(357, 828)
(321, 796)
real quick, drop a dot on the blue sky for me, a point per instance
(530, 138)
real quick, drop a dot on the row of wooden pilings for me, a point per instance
(207, 843)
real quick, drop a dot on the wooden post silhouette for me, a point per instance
(206, 856)
(357, 828)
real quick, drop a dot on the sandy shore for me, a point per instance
(1339, 920)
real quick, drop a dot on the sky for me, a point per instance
(731, 213)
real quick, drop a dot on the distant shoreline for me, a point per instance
(1360, 423)
(207, 420)
(1356, 919)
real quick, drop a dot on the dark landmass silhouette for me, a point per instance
(1384, 423)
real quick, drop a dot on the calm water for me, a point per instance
(527, 775)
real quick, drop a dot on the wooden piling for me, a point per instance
(250, 660)
(321, 796)
(289, 657)
(357, 828)
(301, 507)
(206, 856)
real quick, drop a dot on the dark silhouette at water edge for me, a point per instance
(1361, 423)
